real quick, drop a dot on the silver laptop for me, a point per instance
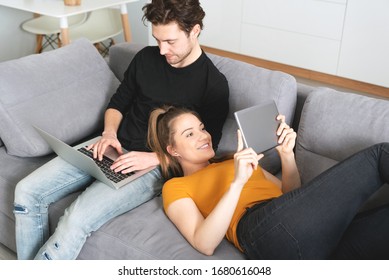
(259, 125)
(80, 157)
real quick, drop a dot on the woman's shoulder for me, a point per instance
(174, 181)
(216, 169)
(175, 189)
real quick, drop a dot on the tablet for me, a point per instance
(258, 125)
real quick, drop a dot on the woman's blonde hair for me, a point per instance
(160, 135)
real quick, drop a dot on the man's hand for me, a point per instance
(106, 140)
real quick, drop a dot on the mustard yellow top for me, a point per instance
(207, 186)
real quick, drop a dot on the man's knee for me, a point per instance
(26, 201)
(22, 190)
(20, 209)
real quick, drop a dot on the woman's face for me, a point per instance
(192, 143)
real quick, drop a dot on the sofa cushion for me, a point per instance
(120, 56)
(12, 170)
(251, 85)
(142, 233)
(64, 92)
(335, 125)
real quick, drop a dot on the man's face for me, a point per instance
(175, 44)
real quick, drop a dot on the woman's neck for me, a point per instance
(189, 169)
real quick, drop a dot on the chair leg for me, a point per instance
(98, 47)
(59, 42)
(39, 39)
(103, 48)
(51, 41)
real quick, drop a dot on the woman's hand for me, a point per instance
(287, 140)
(286, 137)
(245, 161)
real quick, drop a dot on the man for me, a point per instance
(176, 72)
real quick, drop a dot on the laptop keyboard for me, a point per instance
(105, 165)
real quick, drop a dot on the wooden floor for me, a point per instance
(307, 74)
(6, 254)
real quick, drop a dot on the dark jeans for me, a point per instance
(320, 220)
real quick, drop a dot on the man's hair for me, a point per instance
(186, 13)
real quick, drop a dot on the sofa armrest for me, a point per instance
(335, 125)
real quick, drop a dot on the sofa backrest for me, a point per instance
(249, 85)
(335, 125)
(64, 91)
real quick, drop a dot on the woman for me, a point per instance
(264, 217)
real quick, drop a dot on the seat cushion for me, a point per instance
(12, 170)
(142, 233)
(64, 91)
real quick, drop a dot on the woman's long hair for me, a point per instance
(160, 135)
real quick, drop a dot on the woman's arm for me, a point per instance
(290, 175)
(287, 139)
(206, 234)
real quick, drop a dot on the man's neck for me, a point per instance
(196, 53)
(191, 58)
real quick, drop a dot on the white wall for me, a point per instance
(302, 33)
(15, 43)
(365, 49)
(347, 38)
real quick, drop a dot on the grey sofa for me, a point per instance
(65, 92)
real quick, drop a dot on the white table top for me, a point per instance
(57, 8)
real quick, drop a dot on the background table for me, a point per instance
(57, 9)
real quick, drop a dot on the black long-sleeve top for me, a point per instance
(150, 82)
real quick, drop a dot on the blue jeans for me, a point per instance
(320, 220)
(97, 204)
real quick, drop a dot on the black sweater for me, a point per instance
(150, 82)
